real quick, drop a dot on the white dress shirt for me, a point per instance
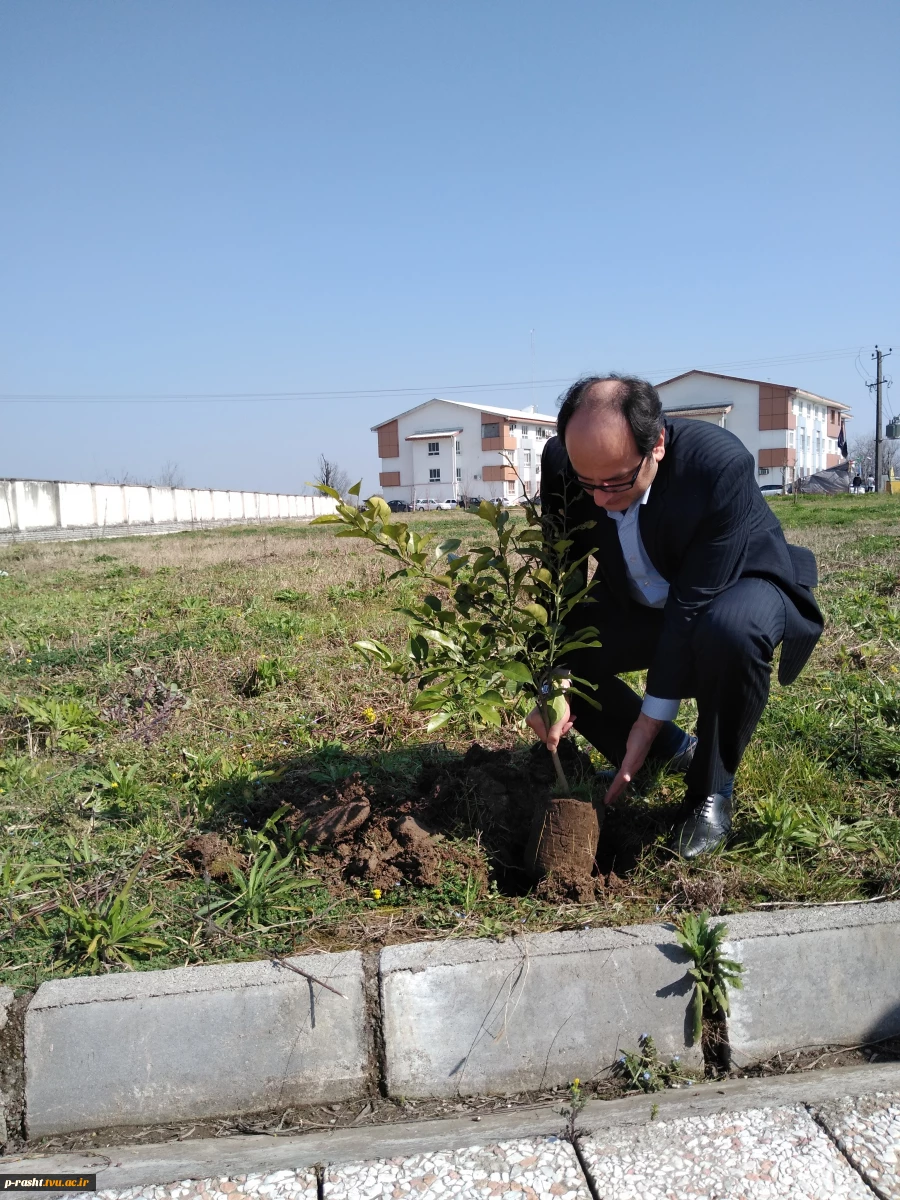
(646, 586)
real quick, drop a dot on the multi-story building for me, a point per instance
(447, 449)
(791, 433)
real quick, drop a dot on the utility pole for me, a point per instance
(879, 356)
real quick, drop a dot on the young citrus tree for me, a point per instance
(491, 634)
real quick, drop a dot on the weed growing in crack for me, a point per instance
(643, 1070)
(712, 972)
(577, 1101)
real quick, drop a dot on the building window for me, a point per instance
(510, 487)
(763, 471)
(434, 448)
(541, 431)
(458, 447)
(434, 475)
(459, 474)
(527, 458)
(491, 430)
(513, 427)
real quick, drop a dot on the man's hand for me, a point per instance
(643, 734)
(535, 721)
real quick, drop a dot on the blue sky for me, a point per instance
(351, 197)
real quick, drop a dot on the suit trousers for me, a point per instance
(733, 642)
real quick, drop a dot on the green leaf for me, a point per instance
(489, 715)
(328, 519)
(375, 649)
(354, 491)
(437, 721)
(537, 611)
(518, 672)
(435, 635)
(556, 707)
(326, 490)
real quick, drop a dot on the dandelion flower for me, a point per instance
(376, 892)
(370, 714)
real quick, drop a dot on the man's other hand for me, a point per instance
(642, 736)
(535, 721)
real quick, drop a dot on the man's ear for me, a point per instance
(659, 450)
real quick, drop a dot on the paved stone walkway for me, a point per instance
(846, 1150)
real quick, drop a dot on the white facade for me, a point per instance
(790, 432)
(447, 449)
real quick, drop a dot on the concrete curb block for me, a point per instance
(131, 1166)
(469, 1018)
(814, 976)
(194, 1041)
(455, 1017)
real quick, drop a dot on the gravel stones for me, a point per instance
(868, 1132)
(758, 1154)
(279, 1185)
(535, 1169)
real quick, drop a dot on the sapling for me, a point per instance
(490, 635)
(493, 632)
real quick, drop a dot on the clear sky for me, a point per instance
(327, 197)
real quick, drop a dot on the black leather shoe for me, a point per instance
(704, 829)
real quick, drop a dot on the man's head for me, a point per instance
(612, 428)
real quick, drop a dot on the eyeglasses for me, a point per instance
(621, 486)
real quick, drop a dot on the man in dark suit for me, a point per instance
(694, 582)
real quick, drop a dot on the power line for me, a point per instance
(376, 393)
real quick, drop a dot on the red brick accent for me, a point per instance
(775, 408)
(832, 460)
(497, 474)
(389, 440)
(780, 456)
(389, 478)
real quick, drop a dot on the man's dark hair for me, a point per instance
(637, 400)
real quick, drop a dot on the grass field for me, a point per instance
(195, 766)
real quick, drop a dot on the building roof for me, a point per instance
(765, 383)
(431, 433)
(707, 410)
(517, 414)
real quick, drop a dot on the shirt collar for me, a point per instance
(632, 507)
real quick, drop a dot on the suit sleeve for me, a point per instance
(713, 562)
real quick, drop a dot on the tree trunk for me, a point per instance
(563, 841)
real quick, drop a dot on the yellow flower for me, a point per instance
(28, 660)
(576, 1082)
(370, 714)
(113, 784)
(376, 892)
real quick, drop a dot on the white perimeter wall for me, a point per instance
(43, 504)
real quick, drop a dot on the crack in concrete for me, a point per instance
(836, 1142)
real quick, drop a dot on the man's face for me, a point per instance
(601, 449)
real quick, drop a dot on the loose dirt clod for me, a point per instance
(207, 852)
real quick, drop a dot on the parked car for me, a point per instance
(446, 505)
(771, 487)
(426, 505)
(398, 506)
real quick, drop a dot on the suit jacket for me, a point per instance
(704, 526)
